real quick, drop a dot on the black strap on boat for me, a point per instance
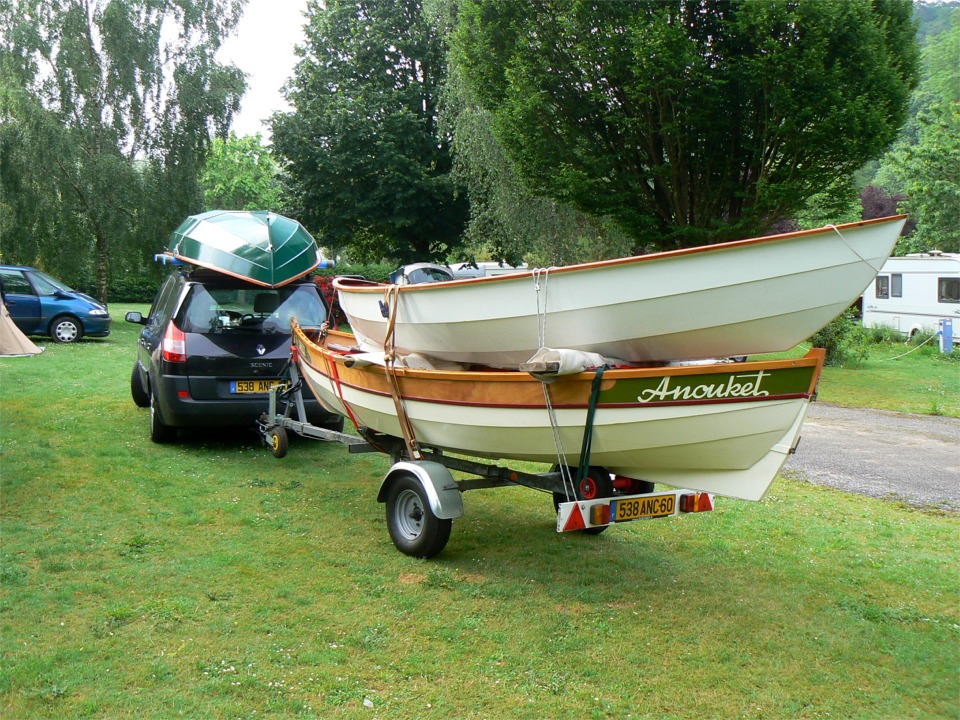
(587, 444)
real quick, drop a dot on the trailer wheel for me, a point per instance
(597, 484)
(278, 441)
(413, 527)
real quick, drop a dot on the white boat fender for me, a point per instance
(549, 363)
(441, 489)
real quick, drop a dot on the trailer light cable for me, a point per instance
(897, 357)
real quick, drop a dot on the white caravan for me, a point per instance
(913, 293)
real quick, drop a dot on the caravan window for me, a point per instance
(896, 285)
(883, 287)
(948, 290)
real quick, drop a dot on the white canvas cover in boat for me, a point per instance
(549, 363)
(13, 342)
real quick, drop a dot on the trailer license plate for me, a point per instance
(652, 506)
(246, 387)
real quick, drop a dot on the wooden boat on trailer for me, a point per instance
(609, 434)
(739, 298)
(723, 428)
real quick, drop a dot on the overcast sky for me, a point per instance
(263, 48)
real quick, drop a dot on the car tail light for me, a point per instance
(174, 345)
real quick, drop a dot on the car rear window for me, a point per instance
(213, 310)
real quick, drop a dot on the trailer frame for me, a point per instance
(422, 497)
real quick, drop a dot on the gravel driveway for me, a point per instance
(913, 458)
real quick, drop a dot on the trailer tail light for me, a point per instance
(696, 502)
(174, 345)
(600, 515)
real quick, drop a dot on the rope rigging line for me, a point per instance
(850, 247)
(569, 489)
(541, 278)
(539, 273)
(392, 298)
(897, 357)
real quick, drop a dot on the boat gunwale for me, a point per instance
(813, 359)
(340, 382)
(238, 276)
(367, 286)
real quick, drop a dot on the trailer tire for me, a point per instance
(278, 441)
(414, 528)
(597, 484)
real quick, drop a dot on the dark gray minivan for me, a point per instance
(213, 346)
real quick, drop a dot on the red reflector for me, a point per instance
(183, 394)
(600, 515)
(174, 345)
(575, 521)
(696, 502)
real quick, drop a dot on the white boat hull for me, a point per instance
(723, 446)
(742, 298)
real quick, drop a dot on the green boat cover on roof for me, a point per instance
(260, 246)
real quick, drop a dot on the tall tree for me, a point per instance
(107, 111)
(924, 164)
(689, 121)
(368, 165)
(240, 174)
(507, 221)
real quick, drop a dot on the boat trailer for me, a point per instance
(422, 497)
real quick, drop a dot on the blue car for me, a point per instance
(41, 305)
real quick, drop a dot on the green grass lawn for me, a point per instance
(208, 579)
(897, 377)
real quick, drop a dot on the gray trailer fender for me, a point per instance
(442, 490)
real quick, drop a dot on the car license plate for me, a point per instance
(245, 387)
(652, 506)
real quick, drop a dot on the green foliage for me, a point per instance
(924, 162)
(240, 174)
(837, 203)
(928, 173)
(107, 110)
(688, 122)
(934, 17)
(135, 288)
(507, 221)
(843, 339)
(879, 334)
(376, 272)
(368, 167)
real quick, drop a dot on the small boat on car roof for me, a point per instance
(738, 298)
(259, 246)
